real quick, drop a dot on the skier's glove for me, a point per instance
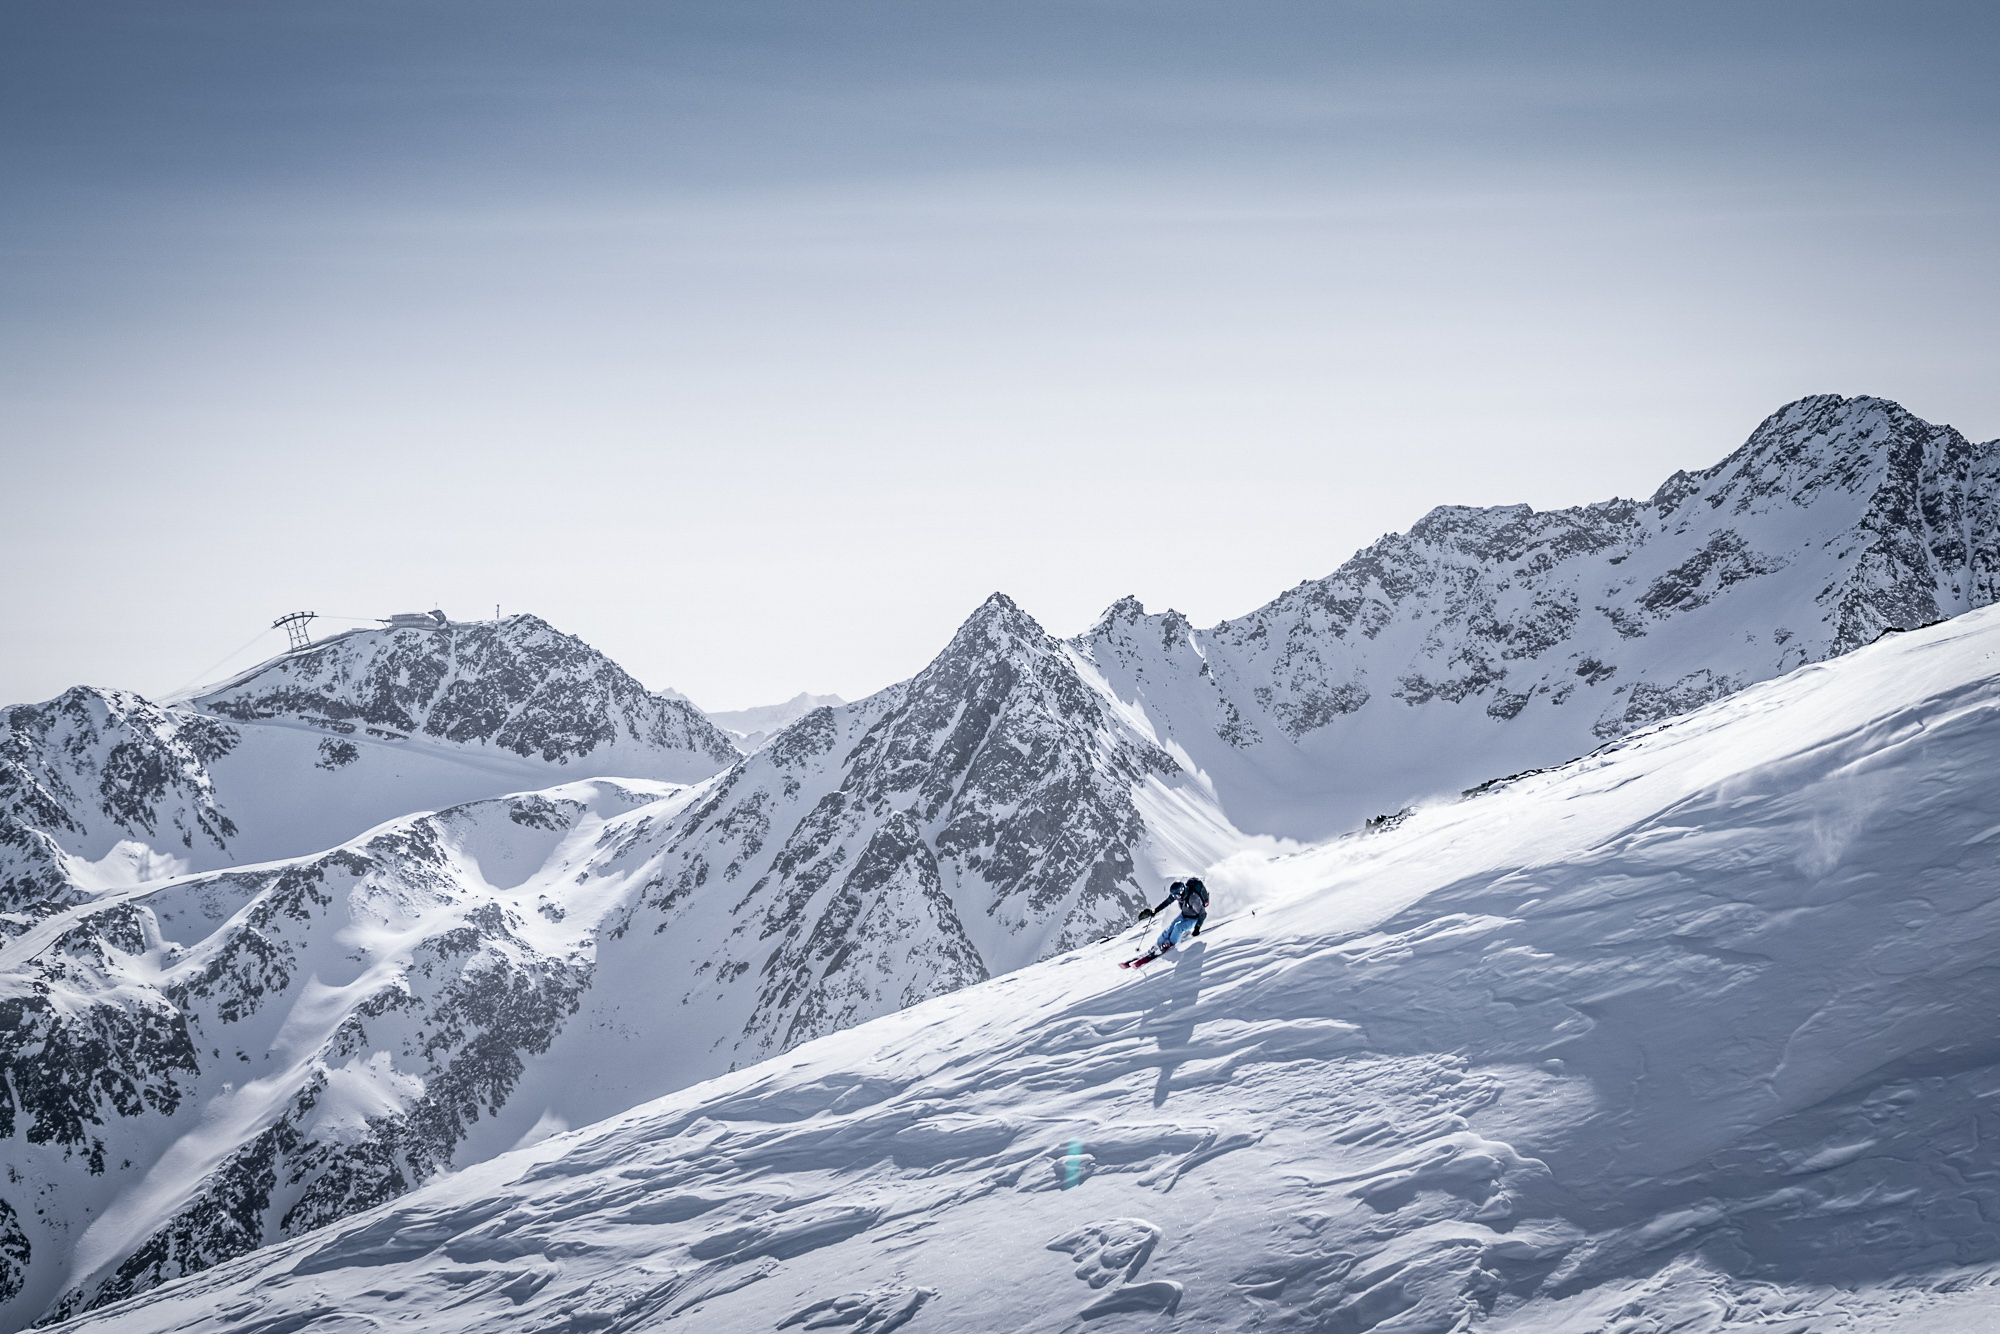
(1144, 915)
(1197, 929)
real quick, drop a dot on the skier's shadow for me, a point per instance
(1171, 1019)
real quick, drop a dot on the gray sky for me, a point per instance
(756, 343)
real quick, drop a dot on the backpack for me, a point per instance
(1194, 899)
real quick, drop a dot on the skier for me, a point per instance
(1192, 896)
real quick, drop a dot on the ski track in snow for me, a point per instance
(1693, 1034)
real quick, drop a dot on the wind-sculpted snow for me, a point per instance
(1486, 641)
(1694, 1034)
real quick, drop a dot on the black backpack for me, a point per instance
(1194, 899)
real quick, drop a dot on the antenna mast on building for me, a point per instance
(295, 627)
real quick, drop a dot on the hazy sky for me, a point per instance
(756, 343)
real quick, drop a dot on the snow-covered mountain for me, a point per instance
(292, 1042)
(1692, 1034)
(232, 1058)
(187, 882)
(100, 788)
(516, 690)
(990, 811)
(1488, 641)
(751, 728)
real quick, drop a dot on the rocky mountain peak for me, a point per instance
(961, 824)
(1126, 639)
(1001, 672)
(1820, 442)
(1126, 611)
(517, 685)
(997, 625)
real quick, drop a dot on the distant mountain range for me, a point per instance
(1487, 641)
(405, 899)
(751, 728)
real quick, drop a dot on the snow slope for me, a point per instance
(1487, 641)
(102, 789)
(1695, 1034)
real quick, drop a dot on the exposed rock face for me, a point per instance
(1485, 641)
(93, 769)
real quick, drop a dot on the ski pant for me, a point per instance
(1175, 933)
